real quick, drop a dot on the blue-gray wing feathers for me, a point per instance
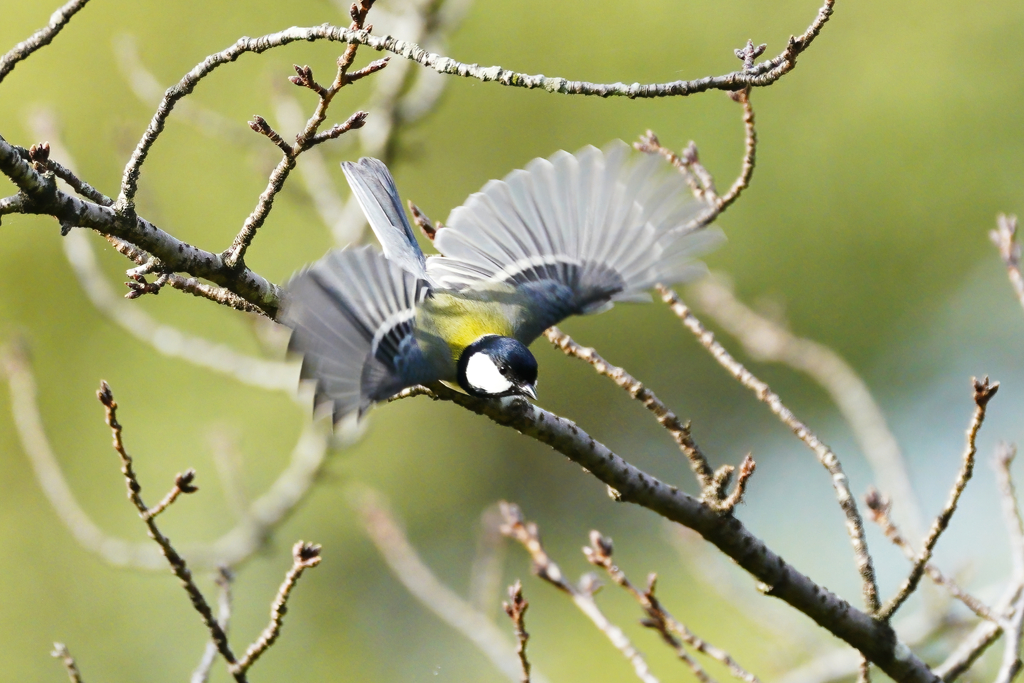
(375, 190)
(352, 315)
(575, 233)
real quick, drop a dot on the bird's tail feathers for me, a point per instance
(375, 190)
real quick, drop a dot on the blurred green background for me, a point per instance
(884, 159)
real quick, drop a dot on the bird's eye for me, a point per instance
(504, 369)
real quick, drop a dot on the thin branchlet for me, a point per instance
(223, 579)
(41, 38)
(61, 652)
(828, 459)
(515, 608)
(983, 392)
(304, 556)
(178, 565)
(680, 432)
(879, 508)
(525, 533)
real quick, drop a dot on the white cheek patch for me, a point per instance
(483, 375)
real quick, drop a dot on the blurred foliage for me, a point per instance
(884, 158)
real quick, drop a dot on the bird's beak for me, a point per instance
(529, 390)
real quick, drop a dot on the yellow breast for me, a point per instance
(460, 320)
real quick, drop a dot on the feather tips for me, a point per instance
(598, 226)
(352, 315)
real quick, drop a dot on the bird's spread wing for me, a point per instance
(575, 233)
(352, 316)
(375, 191)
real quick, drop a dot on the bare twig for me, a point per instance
(515, 608)
(60, 651)
(406, 565)
(599, 553)
(422, 222)
(260, 125)
(766, 340)
(525, 533)
(979, 640)
(749, 151)
(878, 511)
(1005, 239)
(165, 339)
(223, 579)
(178, 564)
(854, 522)
(353, 122)
(41, 38)
(182, 484)
(304, 556)
(43, 197)
(680, 432)
(308, 137)
(700, 180)
(983, 392)
(234, 547)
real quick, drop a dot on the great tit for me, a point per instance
(569, 235)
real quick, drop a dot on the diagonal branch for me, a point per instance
(627, 483)
(41, 38)
(525, 533)
(304, 556)
(983, 392)
(599, 553)
(666, 418)
(178, 565)
(854, 522)
(768, 341)
(879, 507)
(44, 198)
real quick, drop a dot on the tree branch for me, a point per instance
(60, 651)
(878, 510)
(304, 556)
(525, 533)
(41, 38)
(599, 553)
(766, 340)
(627, 483)
(515, 608)
(43, 197)
(983, 392)
(854, 522)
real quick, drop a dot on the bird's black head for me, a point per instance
(494, 366)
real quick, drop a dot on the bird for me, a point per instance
(568, 235)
